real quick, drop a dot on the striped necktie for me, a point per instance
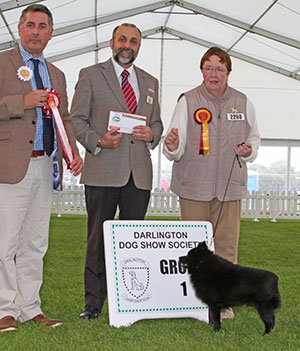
(128, 92)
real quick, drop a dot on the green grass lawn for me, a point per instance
(268, 245)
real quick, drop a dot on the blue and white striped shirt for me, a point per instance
(38, 140)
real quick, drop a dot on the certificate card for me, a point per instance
(124, 122)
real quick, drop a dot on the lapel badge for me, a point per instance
(149, 100)
(24, 73)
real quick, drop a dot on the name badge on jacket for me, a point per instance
(235, 116)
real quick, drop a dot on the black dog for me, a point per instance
(221, 284)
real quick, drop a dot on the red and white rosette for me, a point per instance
(51, 109)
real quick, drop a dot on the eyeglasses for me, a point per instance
(209, 69)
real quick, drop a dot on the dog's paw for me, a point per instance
(217, 327)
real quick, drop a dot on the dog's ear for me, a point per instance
(202, 244)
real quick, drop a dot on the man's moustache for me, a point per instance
(126, 50)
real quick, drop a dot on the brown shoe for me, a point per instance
(41, 319)
(8, 323)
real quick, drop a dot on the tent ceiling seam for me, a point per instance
(253, 25)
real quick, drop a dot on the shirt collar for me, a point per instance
(119, 69)
(27, 56)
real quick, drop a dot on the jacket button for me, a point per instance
(30, 141)
(132, 142)
(33, 122)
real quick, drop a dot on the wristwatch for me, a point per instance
(99, 143)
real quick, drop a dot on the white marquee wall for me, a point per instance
(276, 98)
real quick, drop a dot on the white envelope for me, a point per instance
(125, 122)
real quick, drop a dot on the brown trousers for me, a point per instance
(227, 232)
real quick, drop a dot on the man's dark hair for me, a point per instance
(128, 25)
(36, 8)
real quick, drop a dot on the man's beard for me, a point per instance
(124, 60)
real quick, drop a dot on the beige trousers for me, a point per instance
(25, 210)
(227, 232)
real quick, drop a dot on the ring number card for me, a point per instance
(144, 278)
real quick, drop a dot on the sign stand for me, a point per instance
(144, 278)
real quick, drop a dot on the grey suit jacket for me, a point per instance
(17, 126)
(97, 93)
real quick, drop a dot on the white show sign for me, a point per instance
(144, 278)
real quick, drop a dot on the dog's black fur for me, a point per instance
(221, 284)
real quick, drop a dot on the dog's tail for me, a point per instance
(272, 303)
(275, 301)
(270, 296)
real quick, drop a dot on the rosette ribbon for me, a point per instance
(51, 109)
(203, 116)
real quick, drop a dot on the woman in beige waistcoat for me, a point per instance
(211, 124)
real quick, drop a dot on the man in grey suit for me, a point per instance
(117, 167)
(26, 167)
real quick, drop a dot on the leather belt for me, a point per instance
(36, 153)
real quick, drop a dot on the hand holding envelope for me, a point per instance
(111, 139)
(143, 133)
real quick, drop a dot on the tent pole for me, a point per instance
(160, 100)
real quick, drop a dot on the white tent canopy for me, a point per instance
(262, 37)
